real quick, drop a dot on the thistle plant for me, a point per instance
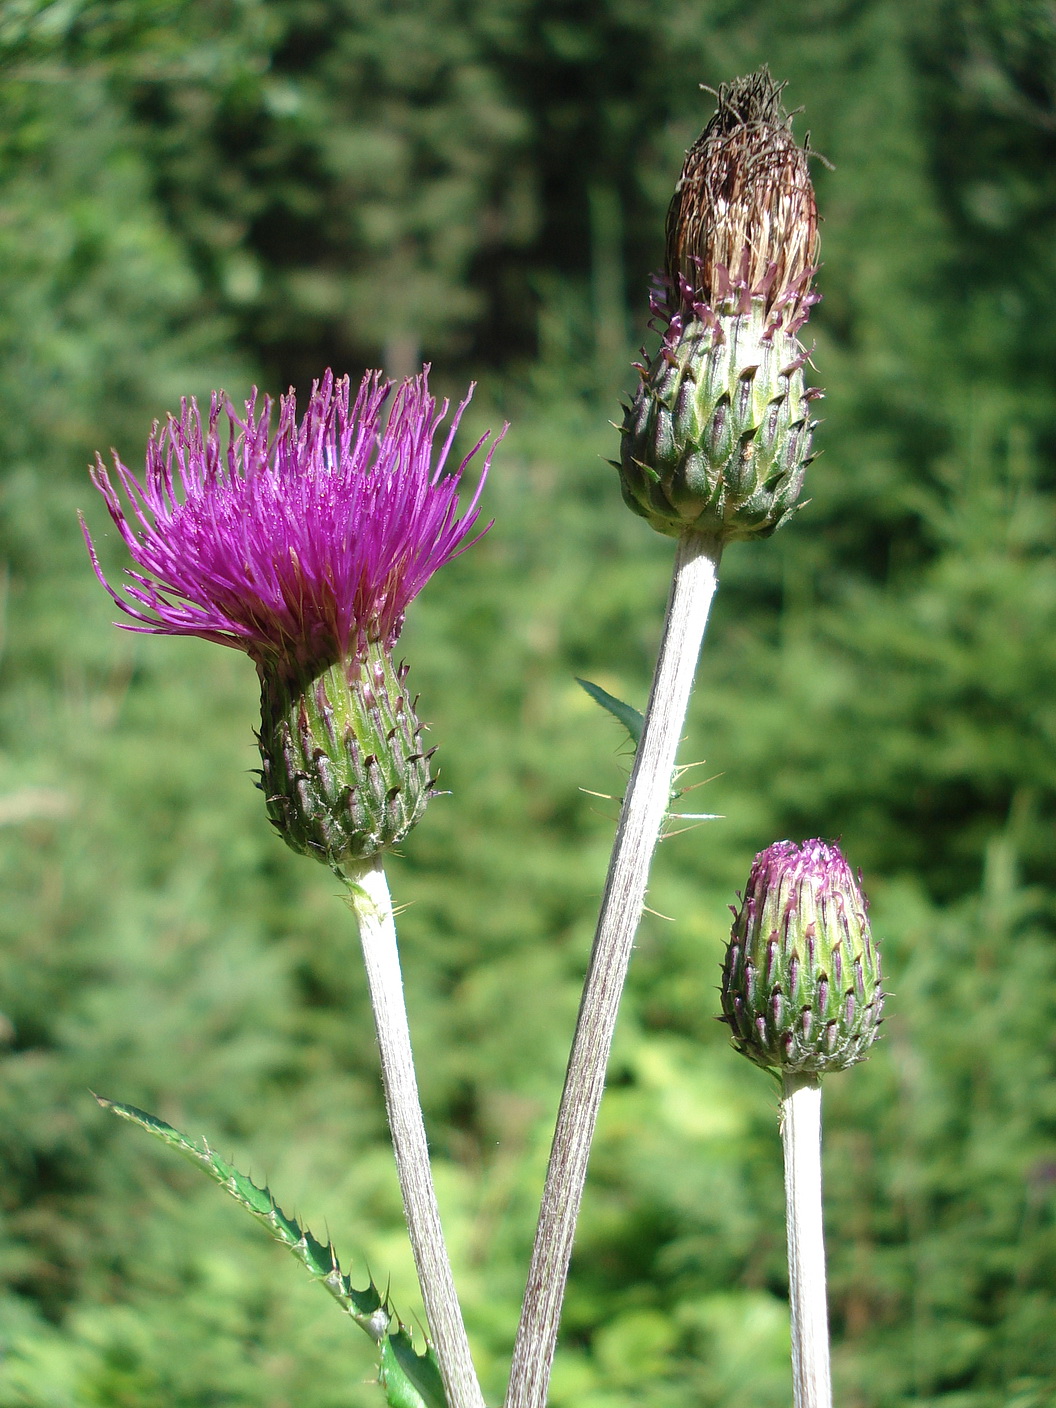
(802, 996)
(715, 443)
(304, 548)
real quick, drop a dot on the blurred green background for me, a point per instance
(226, 192)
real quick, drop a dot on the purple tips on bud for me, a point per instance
(802, 899)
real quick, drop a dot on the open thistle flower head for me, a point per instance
(300, 547)
(718, 435)
(304, 548)
(801, 989)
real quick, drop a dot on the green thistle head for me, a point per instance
(718, 435)
(801, 989)
(343, 770)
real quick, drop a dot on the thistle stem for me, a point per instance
(801, 1142)
(641, 817)
(370, 900)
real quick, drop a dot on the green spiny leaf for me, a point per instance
(410, 1379)
(627, 714)
(633, 722)
(366, 1307)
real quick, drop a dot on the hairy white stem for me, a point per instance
(801, 1141)
(370, 900)
(644, 807)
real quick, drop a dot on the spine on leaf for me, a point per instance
(410, 1379)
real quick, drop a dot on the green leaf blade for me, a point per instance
(410, 1379)
(365, 1307)
(626, 714)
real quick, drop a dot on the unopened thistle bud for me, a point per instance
(801, 989)
(304, 549)
(718, 435)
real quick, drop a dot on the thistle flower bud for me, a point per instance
(344, 773)
(718, 435)
(801, 989)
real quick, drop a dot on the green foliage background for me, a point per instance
(205, 192)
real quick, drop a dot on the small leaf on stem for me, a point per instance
(627, 714)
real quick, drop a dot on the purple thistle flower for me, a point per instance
(301, 548)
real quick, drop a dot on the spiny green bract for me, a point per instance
(718, 435)
(343, 771)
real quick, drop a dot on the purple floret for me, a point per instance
(300, 548)
(816, 861)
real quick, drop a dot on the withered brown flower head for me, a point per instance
(743, 220)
